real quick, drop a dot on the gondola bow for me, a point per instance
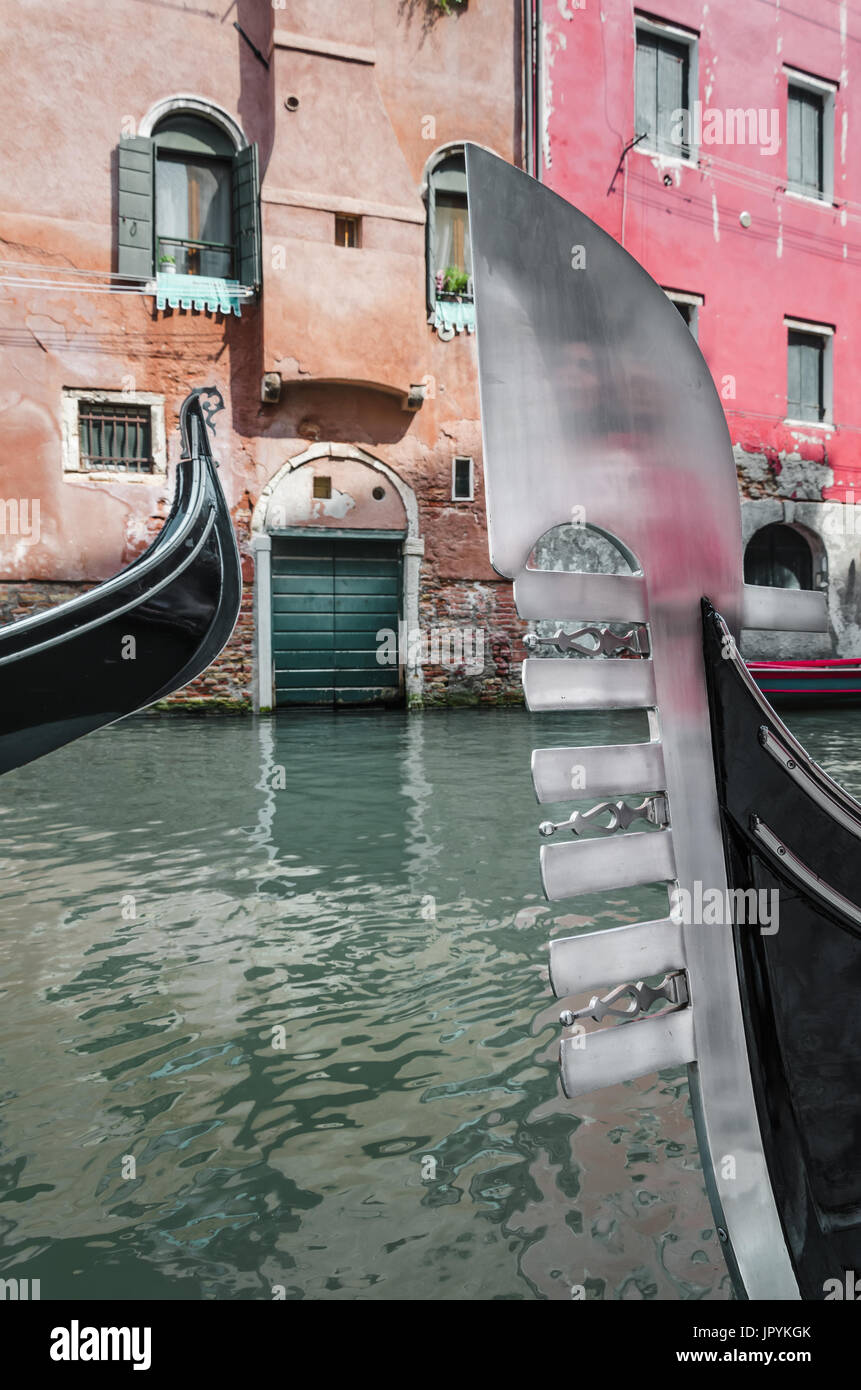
(138, 637)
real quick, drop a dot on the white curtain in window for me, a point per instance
(193, 204)
(451, 236)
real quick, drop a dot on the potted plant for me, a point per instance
(167, 265)
(453, 282)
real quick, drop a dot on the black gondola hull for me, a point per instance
(790, 831)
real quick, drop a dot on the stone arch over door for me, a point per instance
(332, 487)
(806, 525)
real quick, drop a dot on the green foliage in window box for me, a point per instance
(454, 281)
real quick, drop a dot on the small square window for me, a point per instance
(115, 437)
(113, 432)
(462, 479)
(346, 231)
(688, 306)
(322, 487)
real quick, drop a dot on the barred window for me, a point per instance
(114, 436)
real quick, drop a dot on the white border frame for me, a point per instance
(71, 439)
(463, 458)
(694, 301)
(198, 106)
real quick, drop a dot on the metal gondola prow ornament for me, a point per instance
(138, 637)
(598, 410)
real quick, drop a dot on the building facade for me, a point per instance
(717, 144)
(272, 201)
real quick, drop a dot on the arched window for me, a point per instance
(780, 556)
(193, 197)
(188, 196)
(449, 256)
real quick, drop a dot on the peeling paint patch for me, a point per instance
(844, 135)
(781, 474)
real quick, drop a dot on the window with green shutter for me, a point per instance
(806, 376)
(189, 203)
(804, 141)
(449, 256)
(662, 82)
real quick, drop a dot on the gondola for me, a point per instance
(600, 421)
(138, 637)
(808, 684)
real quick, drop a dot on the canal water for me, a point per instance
(275, 1017)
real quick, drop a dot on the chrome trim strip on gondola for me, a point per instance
(801, 777)
(797, 750)
(797, 869)
(124, 608)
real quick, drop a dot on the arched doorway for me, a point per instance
(337, 555)
(781, 556)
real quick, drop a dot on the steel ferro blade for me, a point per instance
(598, 407)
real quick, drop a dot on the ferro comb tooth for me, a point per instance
(597, 866)
(783, 610)
(556, 683)
(617, 598)
(600, 958)
(618, 1053)
(613, 769)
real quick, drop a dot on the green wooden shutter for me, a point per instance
(646, 87)
(793, 140)
(246, 217)
(672, 91)
(811, 143)
(805, 376)
(136, 206)
(804, 122)
(430, 245)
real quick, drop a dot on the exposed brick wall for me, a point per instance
(488, 607)
(447, 604)
(22, 600)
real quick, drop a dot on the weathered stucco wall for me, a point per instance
(683, 222)
(345, 328)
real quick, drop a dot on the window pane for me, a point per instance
(193, 204)
(462, 478)
(115, 436)
(451, 240)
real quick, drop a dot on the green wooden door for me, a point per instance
(330, 598)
